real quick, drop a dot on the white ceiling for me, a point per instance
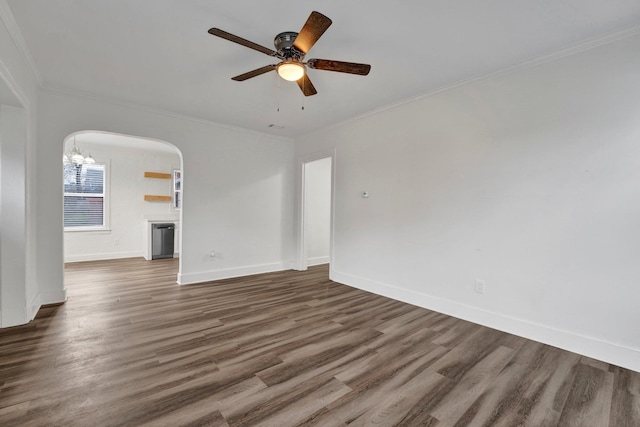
(157, 53)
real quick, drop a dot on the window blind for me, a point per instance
(84, 193)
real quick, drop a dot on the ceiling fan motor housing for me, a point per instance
(284, 45)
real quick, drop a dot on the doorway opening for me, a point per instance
(112, 198)
(316, 231)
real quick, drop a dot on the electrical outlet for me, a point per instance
(480, 286)
(117, 242)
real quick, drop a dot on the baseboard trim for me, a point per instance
(34, 307)
(102, 256)
(229, 273)
(317, 261)
(596, 348)
(54, 297)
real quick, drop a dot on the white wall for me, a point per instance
(126, 188)
(238, 186)
(317, 210)
(20, 292)
(528, 180)
(13, 215)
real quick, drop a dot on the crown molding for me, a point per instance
(157, 111)
(16, 35)
(583, 46)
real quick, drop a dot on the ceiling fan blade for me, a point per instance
(306, 86)
(339, 66)
(228, 36)
(315, 26)
(254, 73)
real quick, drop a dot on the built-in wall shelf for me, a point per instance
(150, 198)
(159, 175)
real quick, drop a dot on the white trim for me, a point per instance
(106, 204)
(18, 39)
(102, 256)
(53, 297)
(34, 307)
(572, 50)
(165, 113)
(229, 273)
(301, 262)
(97, 230)
(317, 261)
(596, 348)
(301, 249)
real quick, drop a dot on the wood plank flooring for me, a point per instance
(131, 348)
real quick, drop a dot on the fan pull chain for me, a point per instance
(278, 110)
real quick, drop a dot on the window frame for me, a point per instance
(176, 200)
(105, 205)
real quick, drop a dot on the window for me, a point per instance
(177, 189)
(84, 196)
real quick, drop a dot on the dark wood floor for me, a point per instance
(131, 348)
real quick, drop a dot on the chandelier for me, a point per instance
(75, 156)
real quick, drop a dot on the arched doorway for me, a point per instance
(121, 186)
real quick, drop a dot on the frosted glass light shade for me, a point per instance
(291, 71)
(77, 158)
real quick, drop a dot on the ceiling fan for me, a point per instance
(291, 48)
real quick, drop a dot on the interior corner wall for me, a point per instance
(528, 180)
(237, 187)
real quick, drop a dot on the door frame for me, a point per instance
(301, 250)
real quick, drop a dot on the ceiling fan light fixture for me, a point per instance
(290, 71)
